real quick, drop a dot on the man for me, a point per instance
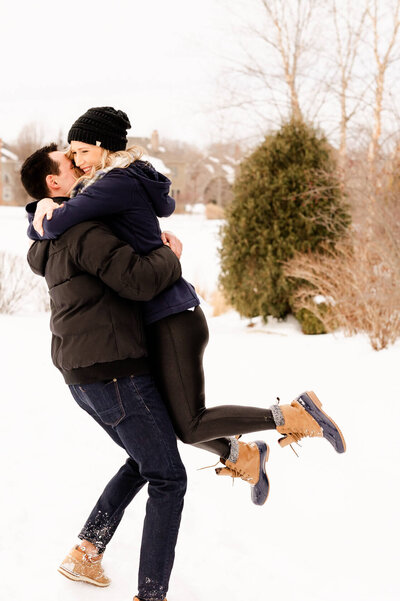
(95, 281)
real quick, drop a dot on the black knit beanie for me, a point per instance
(101, 126)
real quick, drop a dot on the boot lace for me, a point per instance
(239, 473)
(207, 467)
(296, 436)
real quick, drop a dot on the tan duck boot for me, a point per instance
(305, 417)
(249, 465)
(82, 567)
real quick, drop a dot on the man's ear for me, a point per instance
(51, 181)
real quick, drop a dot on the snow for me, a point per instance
(319, 299)
(330, 527)
(158, 164)
(197, 208)
(7, 154)
(13, 226)
(230, 173)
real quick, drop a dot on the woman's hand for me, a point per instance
(44, 208)
(173, 242)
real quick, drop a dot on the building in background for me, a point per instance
(11, 191)
(169, 161)
(195, 177)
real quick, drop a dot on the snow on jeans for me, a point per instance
(131, 411)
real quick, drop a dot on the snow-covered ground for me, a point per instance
(330, 528)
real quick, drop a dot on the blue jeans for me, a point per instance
(131, 411)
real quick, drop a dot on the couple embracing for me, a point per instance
(128, 335)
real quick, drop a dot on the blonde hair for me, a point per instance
(120, 158)
(109, 160)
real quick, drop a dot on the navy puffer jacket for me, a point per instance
(128, 200)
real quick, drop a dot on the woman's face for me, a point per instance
(86, 156)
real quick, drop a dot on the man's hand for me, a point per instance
(44, 208)
(173, 242)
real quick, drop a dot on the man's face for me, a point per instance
(65, 181)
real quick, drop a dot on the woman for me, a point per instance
(129, 194)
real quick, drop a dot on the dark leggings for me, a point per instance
(176, 345)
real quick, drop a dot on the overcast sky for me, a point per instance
(163, 62)
(159, 60)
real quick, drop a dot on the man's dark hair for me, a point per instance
(35, 170)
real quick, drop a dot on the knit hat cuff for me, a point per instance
(88, 137)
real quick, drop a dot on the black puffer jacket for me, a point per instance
(93, 277)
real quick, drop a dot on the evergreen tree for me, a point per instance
(286, 199)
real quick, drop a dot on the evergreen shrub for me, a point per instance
(286, 198)
(310, 324)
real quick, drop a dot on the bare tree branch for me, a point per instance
(382, 61)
